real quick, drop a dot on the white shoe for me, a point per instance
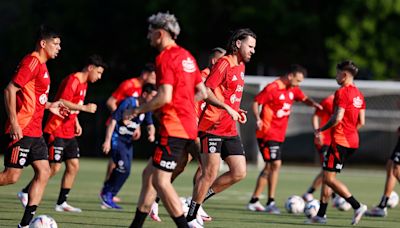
(196, 223)
(23, 197)
(154, 212)
(257, 206)
(19, 226)
(358, 214)
(67, 208)
(307, 197)
(204, 216)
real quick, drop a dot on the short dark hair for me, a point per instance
(148, 88)
(149, 67)
(296, 68)
(46, 32)
(95, 60)
(239, 34)
(349, 66)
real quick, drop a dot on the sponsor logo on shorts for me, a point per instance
(212, 143)
(214, 139)
(22, 161)
(168, 164)
(57, 157)
(339, 166)
(212, 149)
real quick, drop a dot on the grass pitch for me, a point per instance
(227, 208)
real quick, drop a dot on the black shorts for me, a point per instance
(270, 150)
(168, 151)
(396, 153)
(225, 145)
(62, 149)
(336, 156)
(23, 152)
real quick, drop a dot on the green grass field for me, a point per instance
(227, 208)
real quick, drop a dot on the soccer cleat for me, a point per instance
(358, 214)
(154, 212)
(67, 208)
(204, 216)
(257, 206)
(376, 212)
(107, 202)
(272, 209)
(316, 219)
(23, 197)
(307, 197)
(196, 223)
(19, 226)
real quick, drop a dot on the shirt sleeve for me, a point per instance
(265, 95)
(165, 71)
(117, 114)
(69, 88)
(340, 100)
(26, 71)
(217, 74)
(120, 92)
(298, 94)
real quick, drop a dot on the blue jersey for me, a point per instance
(123, 132)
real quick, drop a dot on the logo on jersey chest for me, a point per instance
(188, 65)
(46, 75)
(357, 102)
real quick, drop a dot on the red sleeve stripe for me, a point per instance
(222, 67)
(33, 64)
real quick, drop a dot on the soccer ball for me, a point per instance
(43, 221)
(294, 204)
(311, 208)
(393, 200)
(341, 204)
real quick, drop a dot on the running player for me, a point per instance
(130, 87)
(61, 133)
(276, 100)
(320, 118)
(178, 77)
(119, 138)
(348, 116)
(25, 100)
(217, 126)
(194, 150)
(392, 172)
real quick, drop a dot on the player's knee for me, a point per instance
(44, 173)
(209, 176)
(396, 171)
(239, 175)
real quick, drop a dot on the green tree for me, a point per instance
(368, 34)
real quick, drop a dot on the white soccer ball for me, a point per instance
(341, 204)
(393, 200)
(311, 208)
(294, 204)
(43, 221)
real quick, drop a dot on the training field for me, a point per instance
(227, 209)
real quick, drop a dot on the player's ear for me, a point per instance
(42, 43)
(238, 44)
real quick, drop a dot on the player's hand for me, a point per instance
(318, 140)
(106, 147)
(90, 107)
(78, 129)
(235, 115)
(59, 109)
(317, 133)
(151, 138)
(243, 117)
(136, 134)
(16, 132)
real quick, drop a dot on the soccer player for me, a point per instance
(320, 118)
(61, 133)
(276, 100)
(348, 116)
(119, 138)
(130, 87)
(217, 126)
(194, 150)
(25, 98)
(179, 83)
(392, 172)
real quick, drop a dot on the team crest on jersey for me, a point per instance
(46, 75)
(43, 99)
(141, 117)
(234, 78)
(357, 102)
(291, 95)
(242, 75)
(282, 97)
(188, 65)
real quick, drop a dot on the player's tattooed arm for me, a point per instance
(333, 121)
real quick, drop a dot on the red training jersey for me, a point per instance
(33, 78)
(177, 67)
(71, 89)
(276, 100)
(226, 80)
(202, 104)
(345, 133)
(128, 88)
(324, 116)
